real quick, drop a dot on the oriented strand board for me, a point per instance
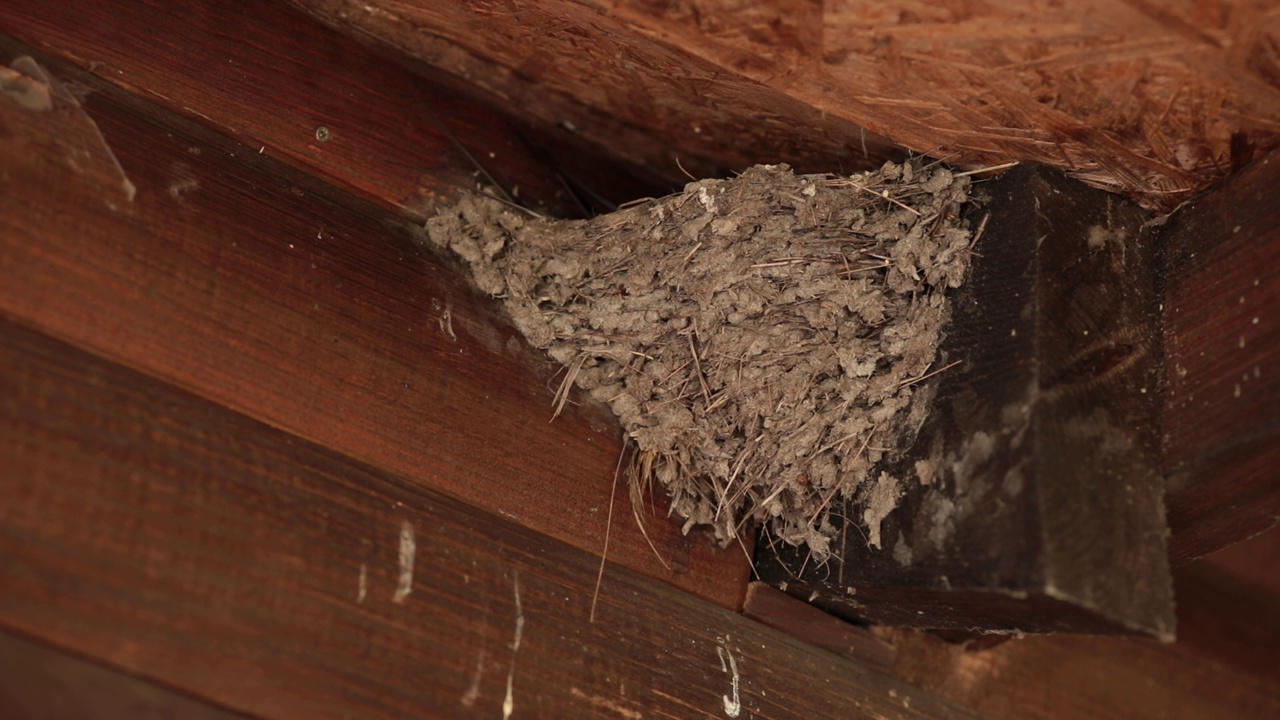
(1155, 98)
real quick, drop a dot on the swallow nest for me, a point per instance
(765, 341)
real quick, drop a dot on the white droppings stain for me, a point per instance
(508, 703)
(407, 550)
(446, 320)
(884, 498)
(27, 66)
(362, 586)
(732, 705)
(606, 704)
(184, 181)
(473, 690)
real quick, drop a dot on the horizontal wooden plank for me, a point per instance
(1226, 663)
(797, 618)
(229, 274)
(271, 77)
(172, 538)
(1221, 416)
(40, 682)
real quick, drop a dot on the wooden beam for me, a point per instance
(271, 78)
(770, 606)
(172, 538)
(227, 273)
(1221, 415)
(1154, 98)
(41, 682)
(1224, 664)
(1031, 500)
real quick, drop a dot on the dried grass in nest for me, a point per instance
(761, 339)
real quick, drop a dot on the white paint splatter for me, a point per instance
(407, 550)
(362, 587)
(732, 706)
(508, 704)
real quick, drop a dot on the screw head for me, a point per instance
(323, 134)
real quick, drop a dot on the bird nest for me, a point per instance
(762, 340)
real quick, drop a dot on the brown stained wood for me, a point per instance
(270, 77)
(770, 606)
(270, 292)
(1031, 499)
(1255, 561)
(1155, 98)
(40, 683)
(1225, 664)
(175, 539)
(1221, 418)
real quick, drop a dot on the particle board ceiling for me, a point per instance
(1157, 99)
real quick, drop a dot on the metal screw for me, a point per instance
(323, 134)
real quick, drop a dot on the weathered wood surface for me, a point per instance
(1032, 498)
(1156, 98)
(270, 77)
(1221, 418)
(270, 292)
(175, 539)
(1225, 664)
(41, 683)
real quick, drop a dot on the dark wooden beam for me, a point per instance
(175, 539)
(1031, 499)
(228, 273)
(1221, 413)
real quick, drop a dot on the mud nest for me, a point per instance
(762, 340)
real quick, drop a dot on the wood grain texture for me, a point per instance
(270, 292)
(1224, 664)
(270, 77)
(649, 92)
(1221, 418)
(172, 538)
(799, 619)
(41, 683)
(1155, 98)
